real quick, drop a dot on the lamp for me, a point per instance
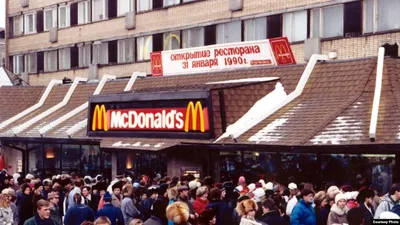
(50, 154)
(129, 162)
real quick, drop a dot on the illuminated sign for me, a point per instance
(268, 52)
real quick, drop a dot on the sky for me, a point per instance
(2, 13)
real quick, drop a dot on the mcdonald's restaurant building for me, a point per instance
(207, 115)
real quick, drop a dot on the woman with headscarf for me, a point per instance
(338, 211)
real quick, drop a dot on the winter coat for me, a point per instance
(113, 213)
(146, 208)
(78, 214)
(92, 201)
(273, 218)
(200, 205)
(129, 211)
(116, 201)
(155, 221)
(35, 220)
(35, 199)
(14, 210)
(6, 216)
(55, 214)
(322, 215)
(290, 205)
(386, 205)
(368, 215)
(216, 206)
(227, 208)
(337, 215)
(24, 202)
(303, 214)
(71, 194)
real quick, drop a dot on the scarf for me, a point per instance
(39, 221)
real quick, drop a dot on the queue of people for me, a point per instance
(71, 200)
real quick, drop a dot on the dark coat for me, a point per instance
(155, 221)
(112, 213)
(35, 220)
(77, 214)
(322, 215)
(25, 207)
(273, 218)
(303, 214)
(368, 217)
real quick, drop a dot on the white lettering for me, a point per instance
(179, 119)
(132, 119)
(149, 120)
(141, 117)
(158, 121)
(115, 118)
(123, 120)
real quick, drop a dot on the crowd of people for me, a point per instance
(71, 200)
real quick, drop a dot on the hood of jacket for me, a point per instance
(387, 198)
(339, 211)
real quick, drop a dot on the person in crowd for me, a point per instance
(136, 222)
(355, 216)
(158, 216)
(13, 185)
(365, 199)
(76, 189)
(389, 200)
(216, 204)
(90, 199)
(332, 192)
(303, 213)
(193, 186)
(242, 183)
(293, 198)
(183, 196)
(54, 199)
(321, 209)
(338, 211)
(6, 182)
(102, 220)
(271, 215)
(46, 188)
(247, 210)
(37, 194)
(351, 199)
(117, 196)
(227, 203)
(111, 212)
(152, 194)
(79, 212)
(201, 200)
(162, 193)
(207, 217)
(129, 210)
(178, 213)
(24, 204)
(11, 200)
(6, 215)
(42, 215)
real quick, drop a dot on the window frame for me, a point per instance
(96, 53)
(292, 26)
(34, 21)
(253, 24)
(54, 18)
(375, 18)
(83, 51)
(105, 10)
(149, 4)
(189, 34)
(17, 66)
(28, 58)
(226, 32)
(64, 59)
(67, 16)
(170, 36)
(87, 16)
(21, 25)
(131, 7)
(321, 22)
(122, 44)
(175, 3)
(46, 60)
(147, 41)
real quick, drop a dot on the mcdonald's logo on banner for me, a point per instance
(156, 64)
(282, 51)
(99, 119)
(192, 111)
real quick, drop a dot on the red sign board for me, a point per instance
(156, 64)
(192, 118)
(282, 51)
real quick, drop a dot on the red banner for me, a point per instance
(156, 64)
(282, 52)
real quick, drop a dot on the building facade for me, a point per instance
(2, 47)
(60, 38)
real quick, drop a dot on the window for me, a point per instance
(171, 2)
(385, 18)
(144, 47)
(90, 159)
(30, 23)
(274, 26)
(100, 53)
(99, 10)
(31, 63)
(144, 5)
(18, 25)
(83, 12)
(193, 37)
(255, 29)
(229, 32)
(64, 59)
(172, 40)
(50, 18)
(64, 16)
(18, 63)
(125, 6)
(327, 22)
(295, 26)
(50, 62)
(84, 55)
(70, 158)
(126, 50)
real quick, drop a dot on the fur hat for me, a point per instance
(333, 191)
(178, 213)
(201, 191)
(194, 184)
(339, 197)
(269, 186)
(259, 193)
(246, 206)
(29, 176)
(251, 187)
(319, 197)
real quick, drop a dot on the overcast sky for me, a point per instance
(2, 13)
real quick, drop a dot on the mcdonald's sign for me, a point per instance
(282, 51)
(192, 118)
(156, 64)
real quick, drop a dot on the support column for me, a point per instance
(114, 161)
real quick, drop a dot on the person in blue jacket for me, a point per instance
(113, 213)
(303, 213)
(78, 213)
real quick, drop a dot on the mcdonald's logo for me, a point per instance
(192, 111)
(282, 51)
(156, 64)
(99, 119)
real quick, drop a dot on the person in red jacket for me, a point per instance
(201, 201)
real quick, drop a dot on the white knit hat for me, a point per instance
(269, 186)
(339, 197)
(332, 191)
(251, 187)
(258, 194)
(194, 184)
(292, 186)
